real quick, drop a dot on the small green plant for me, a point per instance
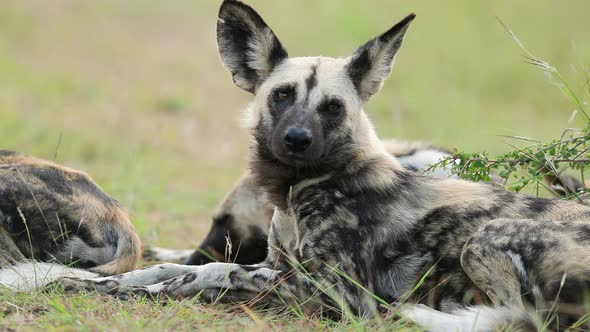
(538, 164)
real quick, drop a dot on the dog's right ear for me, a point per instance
(248, 47)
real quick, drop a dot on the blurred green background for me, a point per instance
(133, 91)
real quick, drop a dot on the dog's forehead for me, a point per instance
(323, 64)
(297, 70)
(323, 72)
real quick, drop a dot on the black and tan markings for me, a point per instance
(52, 213)
(242, 219)
(348, 214)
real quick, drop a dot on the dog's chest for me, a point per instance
(285, 231)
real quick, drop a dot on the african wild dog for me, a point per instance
(52, 216)
(347, 214)
(241, 222)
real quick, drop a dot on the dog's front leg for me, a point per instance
(148, 275)
(322, 291)
(215, 282)
(228, 276)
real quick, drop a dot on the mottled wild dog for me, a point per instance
(350, 224)
(241, 221)
(52, 216)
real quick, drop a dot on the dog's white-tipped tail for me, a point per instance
(478, 318)
(34, 275)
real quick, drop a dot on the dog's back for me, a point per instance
(51, 213)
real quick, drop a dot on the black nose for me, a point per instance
(297, 139)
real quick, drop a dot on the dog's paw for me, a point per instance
(133, 292)
(150, 254)
(70, 285)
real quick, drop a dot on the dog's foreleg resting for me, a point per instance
(148, 275)
(223, 282)
(231, 281)
(261, 284)
(228, 283)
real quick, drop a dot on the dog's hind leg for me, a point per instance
(539, 261)
(493, 271)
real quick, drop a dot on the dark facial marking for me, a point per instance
(312, 81)
(332, 111)
(280, 99)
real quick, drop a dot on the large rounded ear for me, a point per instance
(248, 47)
(371, 63)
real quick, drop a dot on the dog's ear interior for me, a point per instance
(248, 47)
(371, 63)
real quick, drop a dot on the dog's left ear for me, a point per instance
(371, 63)
(248, 47)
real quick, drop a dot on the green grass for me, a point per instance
(88, 312)
(133, 93)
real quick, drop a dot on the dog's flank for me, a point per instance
(50, 213)
(351, 224)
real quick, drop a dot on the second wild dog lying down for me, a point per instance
(351, 224)
(241, 222)
(52, 216)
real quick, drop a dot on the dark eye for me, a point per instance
(282, 95)
(333, 107)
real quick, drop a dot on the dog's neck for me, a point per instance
(369, 167)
